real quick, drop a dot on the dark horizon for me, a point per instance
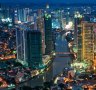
(50, 2)
(43, 5)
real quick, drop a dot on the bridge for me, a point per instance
(64, 53)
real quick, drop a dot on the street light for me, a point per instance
(54, 54)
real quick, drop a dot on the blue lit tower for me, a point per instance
(48, 34)
(29, 47)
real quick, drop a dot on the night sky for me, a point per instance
(51, 1)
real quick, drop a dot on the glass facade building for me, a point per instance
(48, 34)
(29, 47)
(34, 50)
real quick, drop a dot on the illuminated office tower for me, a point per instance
(48, 34)
(88, 41)
(20, 14)
(60, 18)
(26, 13)
(35, 21)
(40, 26)
(63, 23)
(77, 35)
(57, 19)
(77, 25)
(95, 49)
(29, 47)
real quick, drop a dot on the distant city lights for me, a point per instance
(6, 20)
(69, 25)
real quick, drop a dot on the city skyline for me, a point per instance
(48, 45)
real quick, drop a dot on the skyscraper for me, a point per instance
(77, 22)
(77, 35)
(40, 26)
(48, 34)
(94, 48)
(20, 43)
(34, 48)
(88, 42)
(29, 47)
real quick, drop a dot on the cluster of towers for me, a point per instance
(33, 43)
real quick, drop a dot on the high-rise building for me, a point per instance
(34, 48)
(22, 14)
(29, 47)
(21, 44)
(77, 35)
(94, 48)
(60, 18)
(48, 34)
(40, 26)
(88, 41)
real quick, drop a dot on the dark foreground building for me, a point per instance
(34, 45)
(48, 34)
(29, 47)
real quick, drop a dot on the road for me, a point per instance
(58, 64)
